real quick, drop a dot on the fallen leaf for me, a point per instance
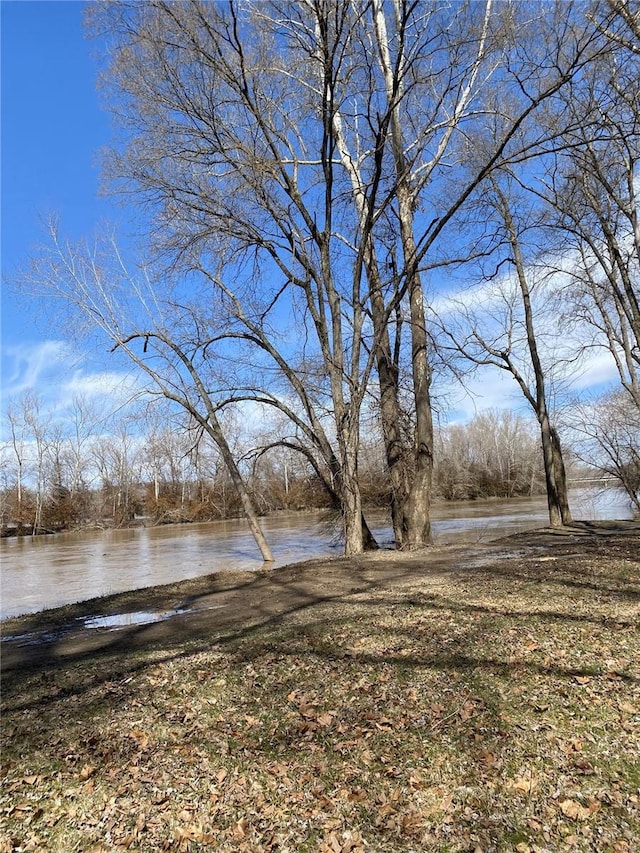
(240, 828)
(621, 846)
(141, 737)
(523, 784)
(573, 810)
(489, 759)
(446, 803)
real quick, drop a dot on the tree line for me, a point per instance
(83, 469)
(317, 175)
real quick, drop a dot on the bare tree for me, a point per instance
(495, 454)
(300, 186)
(260, 216)
(37, 427)
(97, 283)
(463, 94)
(511, 341)
(608, 438)
(592, 192)
(18, 440)
(83, 422)
(117, 457)
(298, 162)
(623, 26)
(169, 453)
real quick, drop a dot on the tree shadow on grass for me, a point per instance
(223, 609)
(119, 654)
(360, 635)
(369, 622)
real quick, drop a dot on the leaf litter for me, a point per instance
(491, 709)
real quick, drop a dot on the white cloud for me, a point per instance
(56, 374)
(28, 365)
(482, 296)
(487, 389)
(100, 384)
(597, 369)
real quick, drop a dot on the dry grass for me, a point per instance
(484, 701)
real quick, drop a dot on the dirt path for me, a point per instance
(218, 607)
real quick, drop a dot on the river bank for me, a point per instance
(481, 698)
(46, 572)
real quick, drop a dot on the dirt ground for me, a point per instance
(223, 606)
(479, 699)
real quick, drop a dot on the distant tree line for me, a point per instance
(73, 473)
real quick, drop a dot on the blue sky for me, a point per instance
(52, 130)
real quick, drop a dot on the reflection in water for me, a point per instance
(47, 571)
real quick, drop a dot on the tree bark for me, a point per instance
(351, 500)
(554, 502)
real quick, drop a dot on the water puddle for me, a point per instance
(125, 620)
(33, 638)
(109, 623)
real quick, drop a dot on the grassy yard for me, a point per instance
(472, 700)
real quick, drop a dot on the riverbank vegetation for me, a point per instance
(451, 701)
(126, 478)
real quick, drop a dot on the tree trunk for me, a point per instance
(553, 498)
(386, 363)
(561, 477)
(212, 426)
(245, 500)
(350, 500)
(416, 520)
(416, 526)
(557, 498)
(390, 415)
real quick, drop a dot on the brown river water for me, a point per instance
(49, 571)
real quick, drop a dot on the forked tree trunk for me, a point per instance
(390, 414)
(416, 525)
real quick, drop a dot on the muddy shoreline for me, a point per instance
(211, 607)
